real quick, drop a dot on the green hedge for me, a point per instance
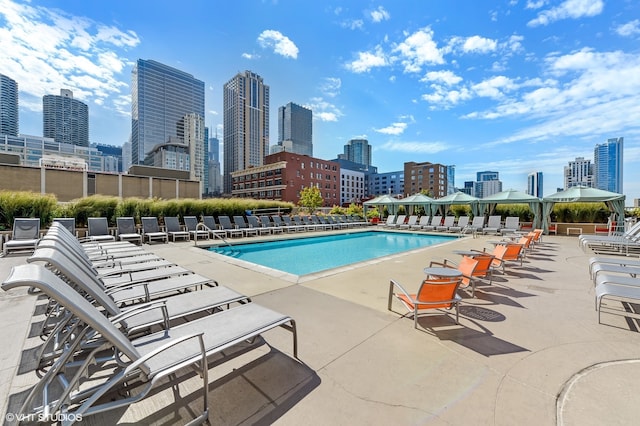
(46, 207)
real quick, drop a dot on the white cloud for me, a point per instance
(280, 43)
(445, 98)
(494, 87)
(629, 29)
(535, 4)
(446, 77)
(330, 86)
(368, 60)
(477, 44)
(47, 49)
(323, 110)
(569, 9)
(419, 49)
(393, 129)
(353, 24)
(415, 147)
(249, 56)
(380, 14)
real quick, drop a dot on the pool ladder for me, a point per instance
(202, 226)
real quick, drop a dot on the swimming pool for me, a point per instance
(308, 255)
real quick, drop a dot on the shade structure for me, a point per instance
(418, 199)
(383, 200)
(458, 198)
(511, 196)
(583, 194)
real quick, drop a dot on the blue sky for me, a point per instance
(512, 86)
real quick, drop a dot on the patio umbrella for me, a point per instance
(458, 198)
(613, 201)
(511, 196)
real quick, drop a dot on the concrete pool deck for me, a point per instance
(528, 349)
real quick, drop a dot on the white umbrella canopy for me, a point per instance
(575, 194)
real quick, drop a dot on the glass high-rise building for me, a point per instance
(358, 151)
(64, 119)
(8, 106)
(246, 124)
(295, 130)
(534, 184)
(607, 165)
(161, 96)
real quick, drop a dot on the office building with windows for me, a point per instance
(64, 119)
(246, 124)
(578, 173)
(426, 176)
(8, 106)
(358, 151)
(389, 183)
(607, 165)
(215, 177)
(534, 184)
(295, 130)
(161, 96)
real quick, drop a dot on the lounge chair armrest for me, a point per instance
(116, 272)
(394, 284)
(124, 286)
(144, 307)
(169, 345)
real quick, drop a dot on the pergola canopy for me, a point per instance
(383, 200)
(583, 194)
(418, 199)
(458, 198)
(511, 196)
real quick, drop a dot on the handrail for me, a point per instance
(206, 228)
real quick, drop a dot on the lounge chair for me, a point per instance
(400, 221)
(463, 222)
(466, 266)
(242, 225)
(227, 226)
(24, 237)
(484, 267)
(618, 288)
(68, 222)
(412, 221)
(255, 223)
(320, 224)
(196, 233)
(493, 225)
(141, 361)
(434, 293)
(619, 261)
(212, 228)
(446, 224)
(506, 252)
(98, 229)
(476, 225)
(126, 228)
(173, 228)
(435, 222)
(511, 225)
(391, 219)
(424, 221)
(306, 220)
(275, 229)
(297, 221)
(151, 230)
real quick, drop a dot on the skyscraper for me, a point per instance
(578, 173)
(161, 96)
(8, 106)
(358, 151)
(607, 165)
(64, 119)
(246, 124)
(295, 130)
(534, 184)
(215, 178)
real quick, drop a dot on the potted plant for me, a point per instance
(373, 216)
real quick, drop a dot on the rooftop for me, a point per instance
(528, 349)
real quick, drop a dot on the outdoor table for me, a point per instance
(440, 272)
(468, 253)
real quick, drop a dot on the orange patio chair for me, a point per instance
(467, 267)
(434, 293)
(506, 252)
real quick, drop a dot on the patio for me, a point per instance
(528, 350)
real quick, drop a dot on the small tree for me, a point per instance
(310, 198)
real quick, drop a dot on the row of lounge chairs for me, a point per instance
(615, 271)
(26, 231)
(120, 319)
(439, 290)
(437, 223)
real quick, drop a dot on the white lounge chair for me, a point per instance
(493, 225)
(435, 222)
(424, 221)
(446, 224)
(511, 225)
(463, 222)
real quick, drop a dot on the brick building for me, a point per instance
(284, 175)
(425, 176)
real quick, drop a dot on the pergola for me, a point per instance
(583, 194)
(457, 198)
(383, 200)
(418, 199)
(511, 196)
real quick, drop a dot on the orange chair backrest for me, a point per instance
(434, 290)
(499, 253)
(537, 234)
(512, 252)
(467, 266)
(526, 240)
(483, 268)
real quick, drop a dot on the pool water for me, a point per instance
(308, 255)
